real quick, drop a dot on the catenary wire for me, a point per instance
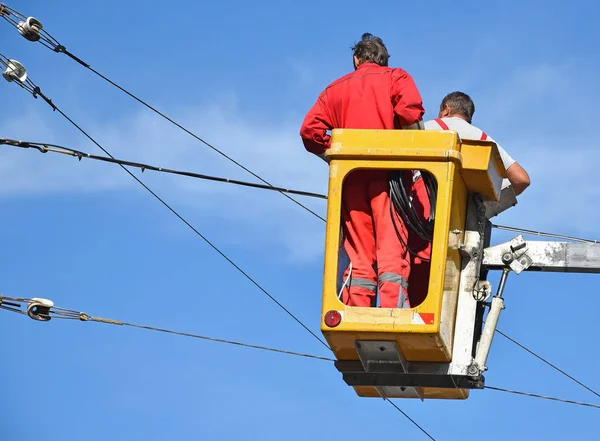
(54, 312)
(202, 141)
(547, 362)
(37, 92)
(47, 147)
(53, 148)
(62, 313)
(213, 246)
(540, 233)
(410, 419)
(218, 340)
(14, 303)
(544, 397)
(51, 43)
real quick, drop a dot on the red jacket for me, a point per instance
(371, 97)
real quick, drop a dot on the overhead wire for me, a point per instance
(539, 357)
(46, 311)
(54, 148)
(37, 92)
(410, 419)
(51, 43)
(52, 312)
(545, 397)
(539, 233)
(48, 147)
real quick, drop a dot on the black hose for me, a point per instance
(402, 204)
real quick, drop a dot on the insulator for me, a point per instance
(39, 309)
(30, 28)
(15, 71)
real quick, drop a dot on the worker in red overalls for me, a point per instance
(374, 96)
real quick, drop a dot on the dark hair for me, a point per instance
(371, 49)
(460, 103)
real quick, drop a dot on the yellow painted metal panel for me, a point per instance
(382, 144)
(419, 340)
(482, 168)
(425, 332)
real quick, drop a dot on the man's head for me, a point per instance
(457, 104)
(370, 49)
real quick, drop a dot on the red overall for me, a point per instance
(372, 97)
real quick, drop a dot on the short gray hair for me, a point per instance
(459, 103)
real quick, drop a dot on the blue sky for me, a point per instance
(242, 75)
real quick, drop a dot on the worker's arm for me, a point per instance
(315, 126)
(407, 101)
(518, 177)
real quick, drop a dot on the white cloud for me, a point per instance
(273, 150)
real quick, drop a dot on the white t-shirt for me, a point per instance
(468, 131)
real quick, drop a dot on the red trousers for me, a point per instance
(420, 267)
(379, 261)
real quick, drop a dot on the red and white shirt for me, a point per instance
(467, 131)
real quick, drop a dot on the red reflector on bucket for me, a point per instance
(333, 318)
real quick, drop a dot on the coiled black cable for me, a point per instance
(402, 204)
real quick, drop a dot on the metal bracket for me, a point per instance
(518, 255)
(389, 379)
(512, 254)
(482, 290)
(568, 257)
(383, 367)
(374, 355)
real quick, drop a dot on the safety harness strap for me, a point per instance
(441, 123)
